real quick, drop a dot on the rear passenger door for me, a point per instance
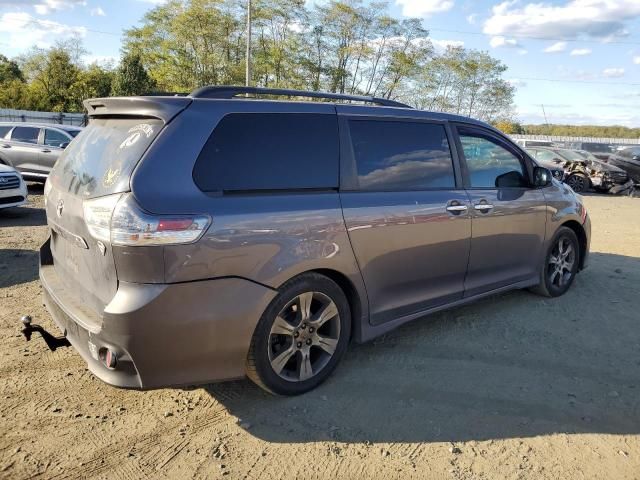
(406, 213)
(23, 148)
(508, 215)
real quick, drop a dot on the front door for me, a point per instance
(407, 218)
(53, 143)
(508, 215)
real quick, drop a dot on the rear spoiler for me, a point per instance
(164, 108)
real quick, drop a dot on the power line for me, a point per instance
(530, 37)
(560, 80)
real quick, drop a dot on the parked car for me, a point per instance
(628, 160)
(583, 170)
(602, 151)
(13, 190)
(209, 237)
(32, 149)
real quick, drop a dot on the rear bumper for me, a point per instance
(163, 335)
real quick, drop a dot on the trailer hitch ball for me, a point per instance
(26, 320)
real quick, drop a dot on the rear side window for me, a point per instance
(4, 130)
(394, 155)
(271, 151)
(100, 160)
(25, 134)
(54, 138)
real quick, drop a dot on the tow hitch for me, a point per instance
(52, 341)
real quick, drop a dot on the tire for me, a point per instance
(578, 182)
(301, 337)
(554, 282)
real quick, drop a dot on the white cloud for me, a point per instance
(25, 30)
(517, 82)
(556, 47)
(580, 52)
(45, 7)
(500, 41)
(442, 45)
(102, 60)
(613, 72)
(472, 18)
(424, 8)
(636, 60)
(595, 18)
(97, 12)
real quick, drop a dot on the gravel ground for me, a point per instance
(515, 386)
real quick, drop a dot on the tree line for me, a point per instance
(343, 46)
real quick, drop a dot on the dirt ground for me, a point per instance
(515, 386)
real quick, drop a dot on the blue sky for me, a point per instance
(580, 58)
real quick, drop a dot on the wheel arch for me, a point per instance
(582, 238)
(350, 291)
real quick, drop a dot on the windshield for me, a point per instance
(570, 155)
(101, 159)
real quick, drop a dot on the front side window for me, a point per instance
(25, 134)
(490, 165)
(270, 151)
(400, 155)
(54, 138)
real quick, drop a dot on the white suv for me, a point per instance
(13, 190)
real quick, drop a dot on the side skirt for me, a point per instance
(369, 332)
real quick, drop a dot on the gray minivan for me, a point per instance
(213, 236)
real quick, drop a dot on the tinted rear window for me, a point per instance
(100, 160)
(25, 134)
(401, 155)
(254, 151)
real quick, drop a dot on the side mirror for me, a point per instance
(511, 179)
(64, 144)
(541, 177)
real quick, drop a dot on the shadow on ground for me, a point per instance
(17, 267)
(516, 365)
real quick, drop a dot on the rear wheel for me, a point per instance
(560, 264)
(301, 336)
(578, 182)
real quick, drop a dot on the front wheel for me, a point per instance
(560, 264)
(578, 182)
(301, 336)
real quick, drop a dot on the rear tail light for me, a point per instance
(117, 219)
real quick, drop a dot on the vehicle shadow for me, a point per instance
(24, 216)
(17, 267)
(514, 365)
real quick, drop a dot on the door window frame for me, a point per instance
(43, 135)
(348, 166)
(501, 141)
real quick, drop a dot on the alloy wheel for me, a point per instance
(561, 263)
(304, 336)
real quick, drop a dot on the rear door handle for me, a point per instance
(4, 145)
(483, 207)
(45, 150)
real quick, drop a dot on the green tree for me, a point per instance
(131, 78)
(93, 82)
(9, 70)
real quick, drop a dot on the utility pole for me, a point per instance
(248, 70)
(545, 117)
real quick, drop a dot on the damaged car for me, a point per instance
(583, 171)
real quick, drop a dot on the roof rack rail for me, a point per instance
(229, 92)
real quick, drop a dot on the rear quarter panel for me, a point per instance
(267, 238)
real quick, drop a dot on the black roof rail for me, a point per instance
(228, 92)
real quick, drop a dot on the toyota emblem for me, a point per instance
(60, 207)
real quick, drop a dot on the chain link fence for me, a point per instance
(59, 118)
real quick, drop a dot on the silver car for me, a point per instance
(33, 149)
(213, 236)
(13, 190)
